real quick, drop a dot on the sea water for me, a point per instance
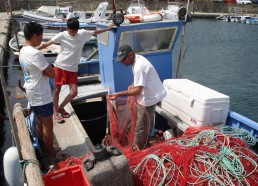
(220, 55)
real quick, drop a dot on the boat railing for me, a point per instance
(241, 122)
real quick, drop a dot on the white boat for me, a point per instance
(48, 35)
(137, 7)
(174, 11)
(138, 13)
(98, 15)
(252, 20)
(50, 52)
(50, 13)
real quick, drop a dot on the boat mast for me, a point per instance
(181, 55)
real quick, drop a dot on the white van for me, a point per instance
(243, 2)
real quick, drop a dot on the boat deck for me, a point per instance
(71, 136)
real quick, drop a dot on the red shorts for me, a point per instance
(64, 77)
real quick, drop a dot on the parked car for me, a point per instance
(243, 2)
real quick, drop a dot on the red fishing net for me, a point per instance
(201, 156)
(122, 117)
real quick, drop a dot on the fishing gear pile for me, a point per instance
(201, 156)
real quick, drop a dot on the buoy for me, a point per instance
(142, 18)
(12, 168)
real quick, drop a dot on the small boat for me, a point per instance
(174, 11)
(244, 18)
(251, 20)
(50, 52)
(61, 26)
(98, 15)
(221, 17)
(138, 13)
(50, 13)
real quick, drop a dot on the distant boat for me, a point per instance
(50, 52)
(174, 11)
(252, 20)
(62, 26)
(50, 13)
(48, 35)
(138, 13)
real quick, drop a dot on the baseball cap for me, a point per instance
(123, 50)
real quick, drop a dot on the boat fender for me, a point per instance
(88, 164)
(115, 151)
(12, 168)
(100, 152)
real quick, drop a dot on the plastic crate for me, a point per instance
(70, 176)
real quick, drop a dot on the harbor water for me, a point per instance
(220, 55)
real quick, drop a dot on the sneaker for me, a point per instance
(64, 113)
(59, 118)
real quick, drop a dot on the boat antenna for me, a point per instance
(182, 36)
(114, 5)
(139, 7)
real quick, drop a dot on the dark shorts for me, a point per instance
(64, 77)
(43, 110)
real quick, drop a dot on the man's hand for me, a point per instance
(112, 96)
(131, 87)
(110, 26)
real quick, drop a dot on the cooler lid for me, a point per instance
(195, 91)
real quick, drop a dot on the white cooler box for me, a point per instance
(195, 104)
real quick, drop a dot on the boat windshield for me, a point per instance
(149, 40)
(137, 8)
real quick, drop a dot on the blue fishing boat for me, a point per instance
(187, 105)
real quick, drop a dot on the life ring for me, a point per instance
(143, 18)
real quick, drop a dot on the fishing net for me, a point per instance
(122, 117)
(201, 156)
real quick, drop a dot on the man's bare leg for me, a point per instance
(73, 93)
(56, 93)
(48, 134)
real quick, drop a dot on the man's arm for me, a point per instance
(130, 92)
(49, 71)
(96, 32)
(45, 45)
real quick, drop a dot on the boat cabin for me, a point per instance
(154, 40)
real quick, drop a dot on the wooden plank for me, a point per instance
(71, 136)
(32, 170)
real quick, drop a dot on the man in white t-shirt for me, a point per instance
(148, 88)
(36, 72)
(66, 64)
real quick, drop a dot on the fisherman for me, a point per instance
(148, 88)
(66, 64)
(36, 71)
